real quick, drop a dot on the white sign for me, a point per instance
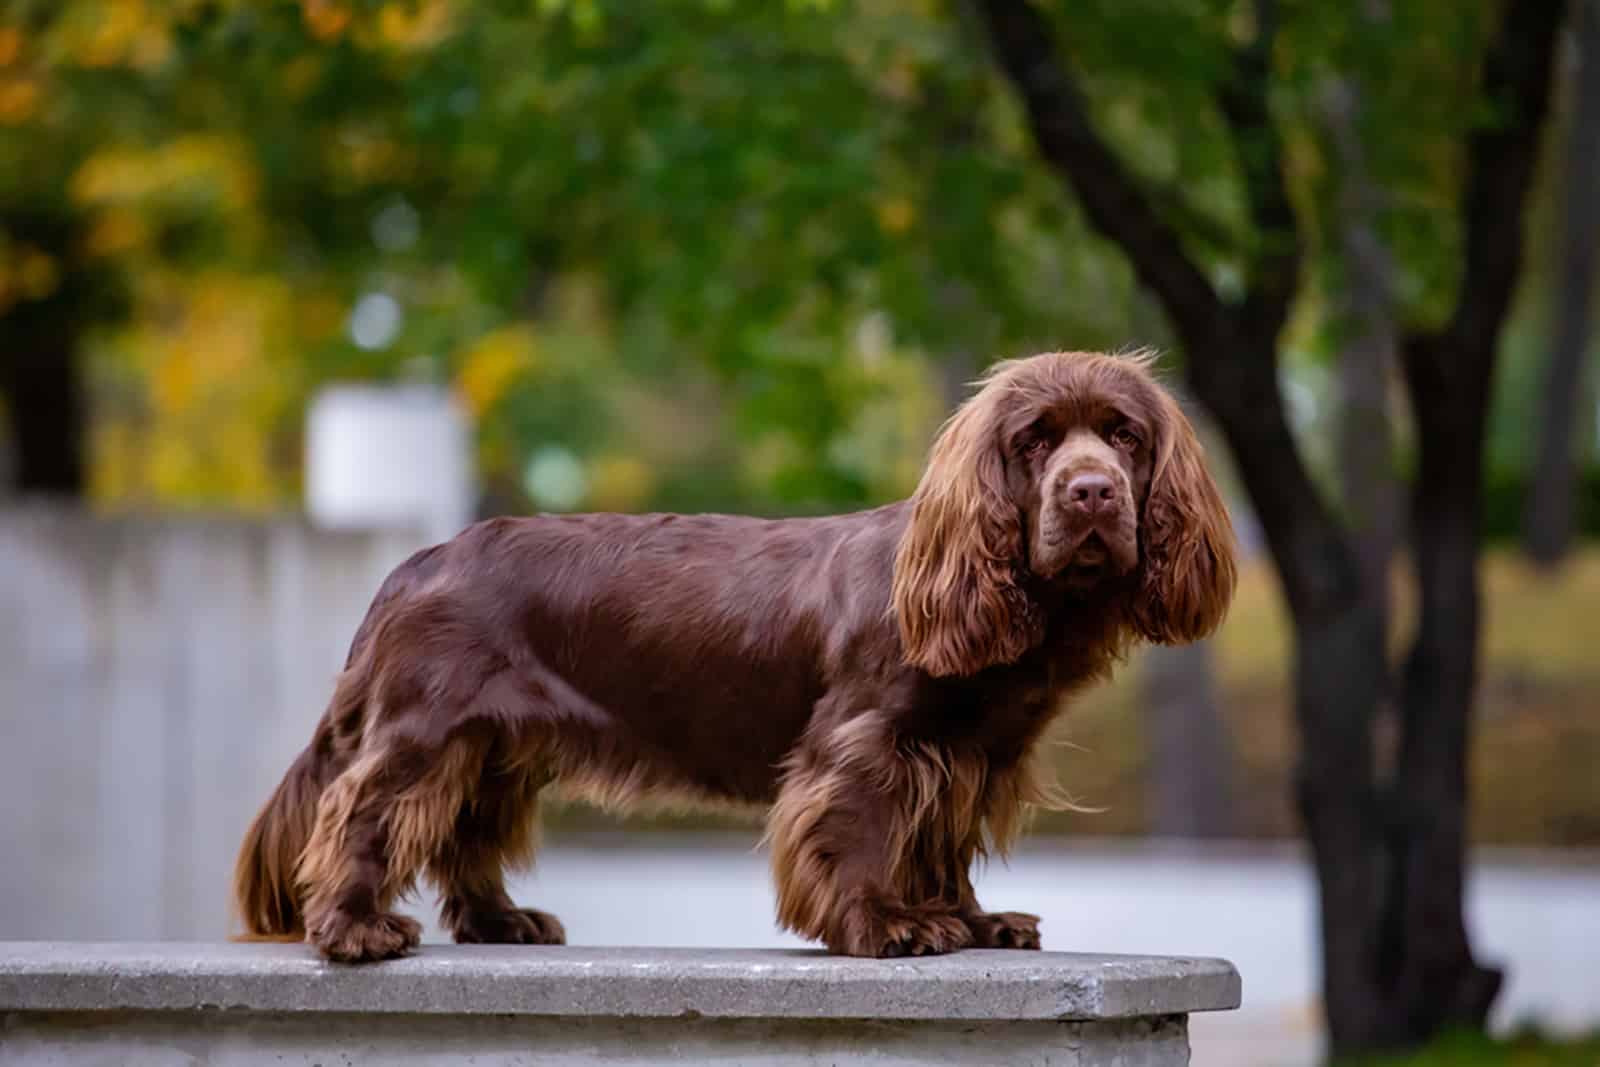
(389, 455)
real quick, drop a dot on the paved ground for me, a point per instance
(1252, 906)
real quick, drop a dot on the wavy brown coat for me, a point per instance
(879, 681)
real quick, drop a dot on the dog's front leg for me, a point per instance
(993, 929)
(850, 833)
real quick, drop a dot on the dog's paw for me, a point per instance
(1004, 929)
(517, 926)
(346, 938)
(888, 931)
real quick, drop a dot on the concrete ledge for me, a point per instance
(144, 1003)
(505, 979)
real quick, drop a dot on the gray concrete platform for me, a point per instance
(160, 1003)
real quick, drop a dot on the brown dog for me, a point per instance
(879, 680)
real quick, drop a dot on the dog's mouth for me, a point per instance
(1091, 554)
(1083, 557)
(1089, 562)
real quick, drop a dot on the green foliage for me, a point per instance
(1506, 490)
(794, 225)
(1527, 1048)
(737, 191)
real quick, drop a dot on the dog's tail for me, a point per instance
(266, 895)
(264, 892)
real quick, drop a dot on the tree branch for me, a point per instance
(1023, 44)
(1547, 521)
(1501, 159)
(1275, 267)
(1232, 362)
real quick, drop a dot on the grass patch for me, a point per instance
(1527, 1049)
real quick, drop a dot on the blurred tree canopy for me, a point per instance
(682, 241)
(726, 253)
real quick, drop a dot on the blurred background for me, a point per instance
(289, 289)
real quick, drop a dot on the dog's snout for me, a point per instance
(1091, 492)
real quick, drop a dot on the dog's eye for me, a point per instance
(1124, 438)
(1034, 446)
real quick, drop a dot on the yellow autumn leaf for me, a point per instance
(215, 354)
(210, 164)
(170, 466)
(240, 470)
(896, 215)
(10, 45)
(619, 483)
(226, 320)
(493, 364)
(38, 274)
(414, 25)
(19, 100)
(151, 49)
(115, 233)
(325, 20)
(113, 460)
(106, 40)
(172, 385)
(317, 316)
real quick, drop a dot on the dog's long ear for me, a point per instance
(1188, 541)
(955, 592)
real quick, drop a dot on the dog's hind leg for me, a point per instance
(377, 823)
(495, 829)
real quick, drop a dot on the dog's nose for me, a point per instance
(1091, 492)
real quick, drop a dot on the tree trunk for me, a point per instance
(1339, 674)
(1426, 957)
(1367, 480)
(1397, 963)
(1548, 518)
(44, 405)
(40, 380)
(1189, 779)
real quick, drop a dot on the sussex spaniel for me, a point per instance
(877, 680)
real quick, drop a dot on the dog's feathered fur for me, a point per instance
(878, 680)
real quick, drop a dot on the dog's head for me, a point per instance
(1066, 473)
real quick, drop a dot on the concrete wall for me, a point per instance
(223, 1039)
(153, 1005)
(156, 677)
